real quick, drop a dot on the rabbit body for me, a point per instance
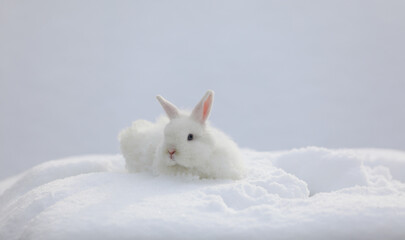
(182, 143)
(139, 141)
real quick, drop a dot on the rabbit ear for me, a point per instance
(170, 109)
(203, 108)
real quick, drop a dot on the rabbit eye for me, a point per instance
(190, 137)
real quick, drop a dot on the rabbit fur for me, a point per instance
(181, 143)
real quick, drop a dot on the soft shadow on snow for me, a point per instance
(327, 170)
(354, 193)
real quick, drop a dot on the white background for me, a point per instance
(286, 73)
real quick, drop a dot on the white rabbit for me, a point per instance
(182, 144)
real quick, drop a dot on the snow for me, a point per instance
(307, 193)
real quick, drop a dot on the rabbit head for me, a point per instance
(187, 140)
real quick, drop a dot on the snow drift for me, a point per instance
(309, 193)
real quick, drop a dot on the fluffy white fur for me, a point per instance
(146, 146)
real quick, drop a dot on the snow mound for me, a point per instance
(329, 170)
(303, 193)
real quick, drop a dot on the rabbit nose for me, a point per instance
(171, 152)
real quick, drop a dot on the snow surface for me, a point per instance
(308, 193)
